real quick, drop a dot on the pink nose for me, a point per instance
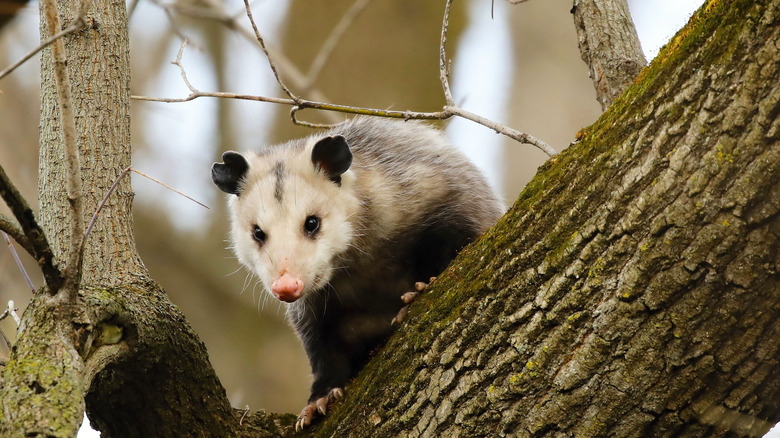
(287, 288)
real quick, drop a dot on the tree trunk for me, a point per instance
(99, 68)
(632, 290)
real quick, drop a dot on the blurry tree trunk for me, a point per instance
(632, 290)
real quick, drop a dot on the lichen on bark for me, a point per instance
(638, 297)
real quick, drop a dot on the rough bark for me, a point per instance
(99, 67)
(122, 335)
(632, 290)
(609, 46)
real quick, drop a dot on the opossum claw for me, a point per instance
(304, 420)
(408, 297)
(399, 317)
(320, 405)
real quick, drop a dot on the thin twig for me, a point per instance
(7, 344)
(196, 94)
(246, 411)
(170, 188)
(73, 182)
(216, 12)
(299, 104)
(332, 41)
(18, 261)
(92, 221)
(522, 137)
(444, 72)
(268, 55)
(79, 24)
(178, 63)
(111, 191)
(12, 311)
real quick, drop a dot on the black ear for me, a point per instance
(332, 156)
(227, 176)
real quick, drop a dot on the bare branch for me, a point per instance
(216, 12)
(9, 226)
(178, 63)
(299, 104)
(79, 24)
(609, 45)
(444, 71)
(168, 187)
(503, 129)
(268, 55)
(41, 250)
(113, 188)
(18, 262)
(12, 311)
(71, 151)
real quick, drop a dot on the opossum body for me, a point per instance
(340, 225)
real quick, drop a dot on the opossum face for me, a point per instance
(290, 218)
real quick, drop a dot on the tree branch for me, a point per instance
(9, 226)
(216, 12)
(37, 242)
(609, 45)
(444, 71)
(18, 261)
(79, 24)
(299, 103)
(268, 55)
(73, 179)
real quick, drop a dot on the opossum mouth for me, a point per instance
(286, 298)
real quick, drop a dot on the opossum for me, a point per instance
(339, 225)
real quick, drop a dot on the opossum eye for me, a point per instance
(311, 225)
(259, 234)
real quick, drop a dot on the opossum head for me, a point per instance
(291, 212)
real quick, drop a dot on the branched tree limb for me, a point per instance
(268, 55)
(37, 244)
(79, 24)
(8, 225)
(444, 71)
(298, 103)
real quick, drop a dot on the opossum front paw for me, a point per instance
(408, 298)
(319, 405)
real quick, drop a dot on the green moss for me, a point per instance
(606, 146)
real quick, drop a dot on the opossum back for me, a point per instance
(410, 167)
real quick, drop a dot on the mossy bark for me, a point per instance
(632, 290)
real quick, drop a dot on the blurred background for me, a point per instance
(520, 66)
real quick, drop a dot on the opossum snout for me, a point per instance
(287, 288)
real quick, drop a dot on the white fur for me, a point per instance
(306, 192)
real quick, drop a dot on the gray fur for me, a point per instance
(279, 184)
(414, 202)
